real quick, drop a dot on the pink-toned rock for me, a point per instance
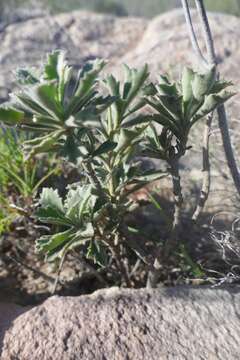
(114, 324)
(8, 312)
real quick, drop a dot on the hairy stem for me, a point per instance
(206, 170)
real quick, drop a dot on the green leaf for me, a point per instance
(158, 106)
(51, 208)
(23, 102)
(75, 214)
(54, 242)
(202, 83)
(57, 69)
(46, 95)
(137, 79)
(166, 88)
(140, 119)
(10, 116)
(88, 77)
(127, 138)
(50, 68)
(187, 78)
(114, 88)
(26, 77)
(79, 203)
(42, 144)
(151, 175)
(167, 124)
(220, 85)
(173, 106)
(97, 253)
(211, 102)
(113, 85)
(104, 148)
(51, 198)
(51, 215)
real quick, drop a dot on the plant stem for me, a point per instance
(206, 170)
(206, 32)
(114, 243)
(178, 202)
(172, 241)
(119, 260)
(192, 34)
(54, 288)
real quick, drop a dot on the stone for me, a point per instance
(179, 323)
(82, 34)
(8, 312)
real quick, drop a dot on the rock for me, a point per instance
(82, 34)
(8, 312)
(174, 323)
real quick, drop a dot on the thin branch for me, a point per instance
(227, 145)
(192, 33)
(54, 288)
(222, 117)
(206, 170)
(115, 248)
(206, 32)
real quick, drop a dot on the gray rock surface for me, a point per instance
(114, 324)
(8, 312)
(83, 34)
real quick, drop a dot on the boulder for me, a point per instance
(171, 323)
(8, 312)
(82, 34)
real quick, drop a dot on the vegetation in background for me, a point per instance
(20, 179)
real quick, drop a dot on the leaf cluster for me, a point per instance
(178, 106)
